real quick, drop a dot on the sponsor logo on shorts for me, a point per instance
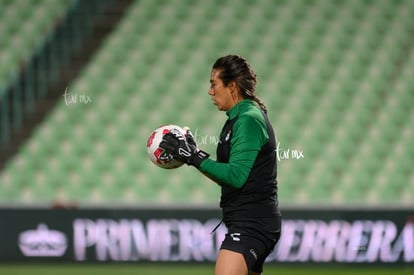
(235, 237)
(253, 252)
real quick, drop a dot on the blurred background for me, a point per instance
(337, 77)
(83, 84)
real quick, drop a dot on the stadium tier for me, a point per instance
(24, 27)
(337, 77)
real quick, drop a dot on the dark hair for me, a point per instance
(235, 68)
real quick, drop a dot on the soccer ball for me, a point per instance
(157, 155)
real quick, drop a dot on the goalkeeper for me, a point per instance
(245, 168)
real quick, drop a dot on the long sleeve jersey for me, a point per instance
(246, 163)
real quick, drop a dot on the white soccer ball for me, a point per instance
(157, 155)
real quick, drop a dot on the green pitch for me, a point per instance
(181, 269)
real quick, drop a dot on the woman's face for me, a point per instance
(222, 96)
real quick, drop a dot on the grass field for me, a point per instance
(178, 269)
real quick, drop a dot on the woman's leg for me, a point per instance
(230, 263)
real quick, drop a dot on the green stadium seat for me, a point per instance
(326, 71)
(24, 26)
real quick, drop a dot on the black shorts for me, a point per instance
(254, 240)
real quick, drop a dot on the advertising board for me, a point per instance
(184, 235)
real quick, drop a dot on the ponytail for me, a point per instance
(256, 99)
(260, 103)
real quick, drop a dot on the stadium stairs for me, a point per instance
(20, 122)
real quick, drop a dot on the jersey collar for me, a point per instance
(240, 106)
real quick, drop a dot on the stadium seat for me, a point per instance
(24, 26)
(336, 77)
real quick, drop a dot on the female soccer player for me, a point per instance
(245, 168)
